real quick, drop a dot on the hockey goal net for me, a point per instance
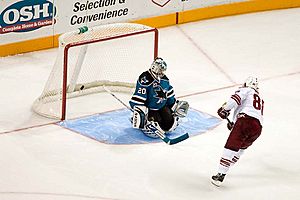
(110, 55)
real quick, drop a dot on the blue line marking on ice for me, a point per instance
(115, 128)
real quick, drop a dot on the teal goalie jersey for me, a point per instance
(152, 93)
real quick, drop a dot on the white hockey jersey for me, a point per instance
(246, 100)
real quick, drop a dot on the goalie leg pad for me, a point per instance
(180, 108)
(139, 116)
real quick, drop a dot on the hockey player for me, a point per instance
(246, 126)
(154, 101)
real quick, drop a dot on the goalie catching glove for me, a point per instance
(180, 108)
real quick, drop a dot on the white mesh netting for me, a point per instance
(112, 55)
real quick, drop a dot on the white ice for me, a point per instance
(207, 60)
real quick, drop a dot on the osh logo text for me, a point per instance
(24, 16)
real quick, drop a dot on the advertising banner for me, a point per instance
(27, 25)
(95, 12)
(29, 19)
(24, 20)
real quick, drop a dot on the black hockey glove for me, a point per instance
(223, 113)
(230, 125)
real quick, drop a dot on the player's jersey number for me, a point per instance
(258, 103)
(142, 90)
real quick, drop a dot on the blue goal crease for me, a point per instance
(115, 127)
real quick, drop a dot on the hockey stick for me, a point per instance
(166, 139)
(228, 120)
(231, 124)
(112, 94)
(152, 127)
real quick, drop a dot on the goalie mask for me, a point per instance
(158, 67)
(251, 82)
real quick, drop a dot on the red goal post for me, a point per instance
(110, 55)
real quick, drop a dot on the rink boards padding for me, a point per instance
(115, 128)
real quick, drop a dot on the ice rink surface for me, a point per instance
(206, 62)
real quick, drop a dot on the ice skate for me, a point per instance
(217, 179)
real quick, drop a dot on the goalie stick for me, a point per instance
(165, 138)
(160, 134)
(112, 94)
